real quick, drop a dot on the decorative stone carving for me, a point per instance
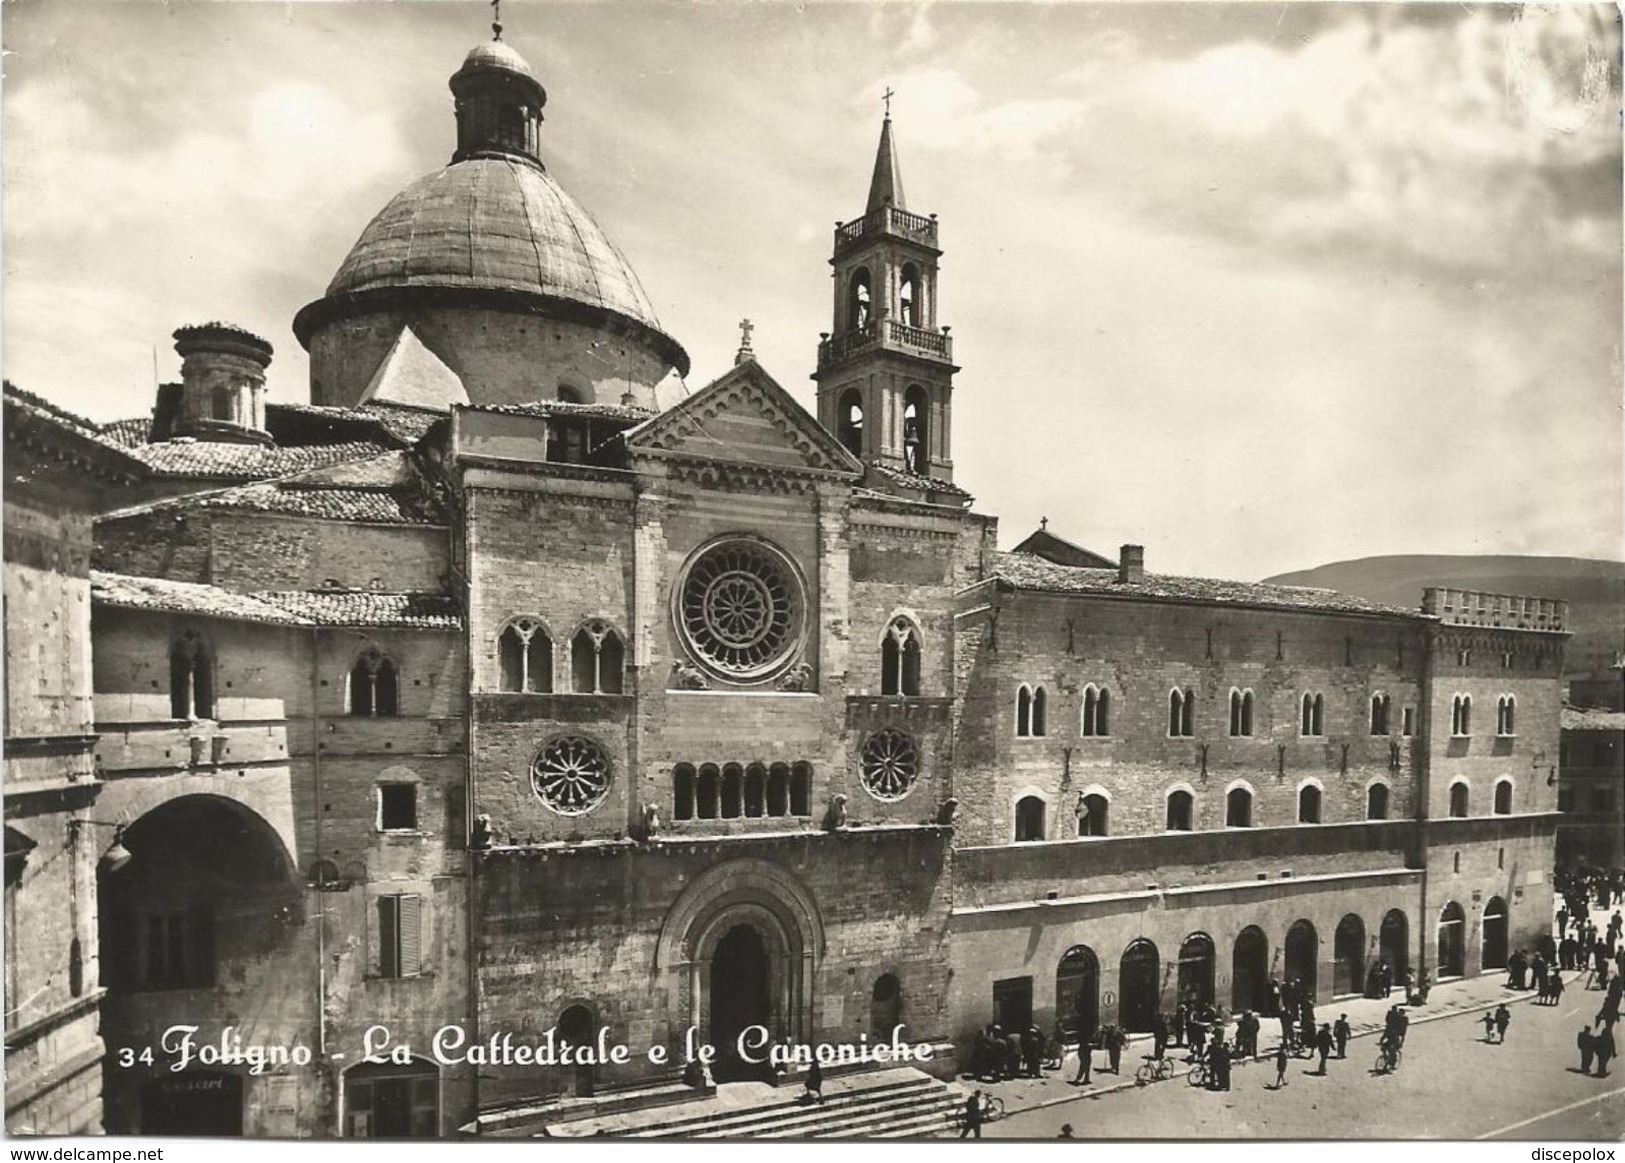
(685, 676)
(797, 678)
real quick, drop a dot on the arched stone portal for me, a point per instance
(1196, 970)
(1077, 992)
(1348, 950)
(1249, 972)
(1139, 980)
(1395, 942)
(576, 1026)
(1494, 945)
(1452, 940)
(736, 926)
(1303, 957)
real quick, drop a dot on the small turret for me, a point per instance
(222, 391)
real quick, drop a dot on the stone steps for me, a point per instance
(891, 1104)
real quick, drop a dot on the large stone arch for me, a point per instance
(272, 803)
(778, 907)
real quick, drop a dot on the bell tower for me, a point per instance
(885, 371)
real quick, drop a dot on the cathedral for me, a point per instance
(507, 686)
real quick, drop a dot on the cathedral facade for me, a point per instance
(493, 691)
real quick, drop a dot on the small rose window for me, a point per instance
(890, 765)
(570, 775)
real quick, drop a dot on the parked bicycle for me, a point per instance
(1201, 1074)
(992, 1111)
(1154, 1070)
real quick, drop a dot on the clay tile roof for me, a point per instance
(279, 608)
(629, 412)
(1588, 719)
(177, 597)
(129, 433)
(41, 406)
(1025, 571)
(367, 608)
(913, 481)
(247, 462)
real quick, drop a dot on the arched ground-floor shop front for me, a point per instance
(1061, 967)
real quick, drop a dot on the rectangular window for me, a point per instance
(400, 936)
(398, 807)
(1408, 719)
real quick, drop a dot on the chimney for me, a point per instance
(1131, 564)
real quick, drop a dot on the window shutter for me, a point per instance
(411, 935)
(389, 936)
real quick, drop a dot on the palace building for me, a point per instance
(492, 689)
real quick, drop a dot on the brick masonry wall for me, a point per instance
(501, 358)
(1139, 652)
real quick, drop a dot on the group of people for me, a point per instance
(999, 1055)
(1602, 951)
(1496, 1022)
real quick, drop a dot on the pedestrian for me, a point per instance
(1604, 1041)
(1012, 1055)
(1219, 1057)
(1159, 1034)
(815, 1082)
(1503, 1019)
(1538, 965)
(1323, 1044)
(1562, 919)
(1114, 1048)
(973, 1116)
(1286, 1028)
(1387, 980)
(1588, 1048)
(1556, 989)
(1342, 1032)
(1280, 1066)
(1181, 1015)
(1066, 1131)
(1198, 1043)
(1086, 1059)
(1032, 1051)
(1489, 1026)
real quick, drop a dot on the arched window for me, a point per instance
(525, 657)
(885, 1005)
(1458, 799)
(1311, 722)
(374, 686)
(733, 791)
(1505, 707)
(597, 660)
(1092, 814)
(1503, 797)
(1181, 712)
(223, 403)
(708, 800)
(191, 678)
(1376, 802)
(1379, 713)
(858, 305)
(755, 790)
(1024, 712)
(900, 659)
(683, 792)
(1180, 805)
(908, 296)
(1241, 713)
(801, 789)
(849, 421)
(1038, 711)
(1308, 804)
(1461, 715)
(916, 429)
(1029, 819)
(1097, 706)
(778, 789)
(511, 126)
(1238, 808)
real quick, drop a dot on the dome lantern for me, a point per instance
(499, 105)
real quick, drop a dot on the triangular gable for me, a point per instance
(744, 417)
(414, 377)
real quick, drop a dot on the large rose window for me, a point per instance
(740, 610)
(570, 775)
(890, 764)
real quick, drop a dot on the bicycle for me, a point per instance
(1387, 1059)
(1154, 1070)
(1201, 1074)
(992, 1110)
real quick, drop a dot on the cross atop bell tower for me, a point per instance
(885, 369)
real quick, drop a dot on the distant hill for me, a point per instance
(1594, 589)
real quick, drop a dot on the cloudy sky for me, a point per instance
(1261, 286)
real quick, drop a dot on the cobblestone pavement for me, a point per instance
(1451, 1084)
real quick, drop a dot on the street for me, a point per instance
(1451, 1084)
